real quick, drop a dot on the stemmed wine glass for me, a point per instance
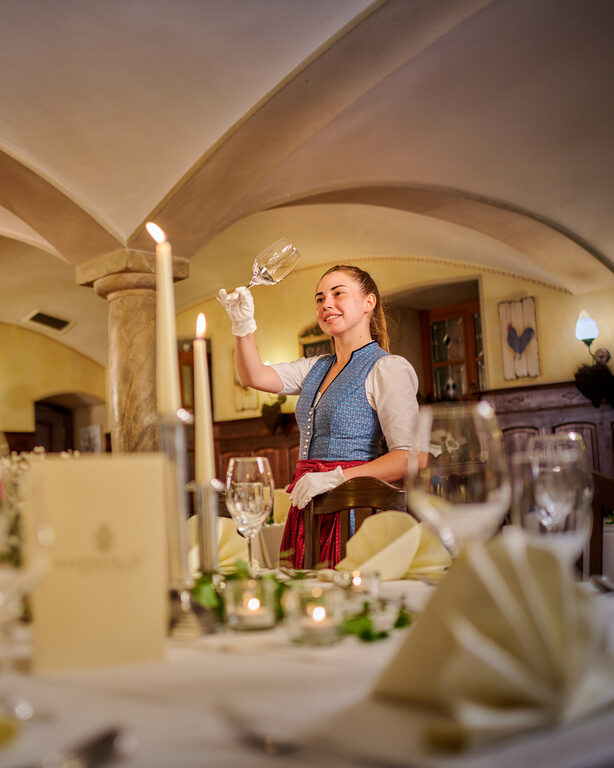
(552, 490)
(274, 262)
(249, 495)
(458, 481)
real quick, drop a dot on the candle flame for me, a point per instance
(156, 232)
(201, 325)
(253, 604)
(319, 613)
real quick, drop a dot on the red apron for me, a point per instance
(292, 547)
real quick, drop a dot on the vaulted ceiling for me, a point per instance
(479, 131)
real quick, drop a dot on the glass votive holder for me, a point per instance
(313, 612)
(249, 603)
(359, 582)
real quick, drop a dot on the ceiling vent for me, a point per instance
(49, 321)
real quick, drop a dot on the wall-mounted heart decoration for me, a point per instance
(519, 343)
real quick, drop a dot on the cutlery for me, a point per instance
(275, 747)
(92, 752)
(603, 583)
(218, 485)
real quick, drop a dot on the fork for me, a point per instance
(274, 747)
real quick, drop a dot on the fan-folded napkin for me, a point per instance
(508, 642)
(396, 546)
(230, 545)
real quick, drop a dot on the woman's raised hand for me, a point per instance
(239, 306)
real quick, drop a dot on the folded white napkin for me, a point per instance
(396, 546)
(230, 545)
(507, 642)
(281, 505)
(266, 545)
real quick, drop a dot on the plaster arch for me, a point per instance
(72, 399)
(74, 234)
(573, 263)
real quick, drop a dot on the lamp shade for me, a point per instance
(586, 327)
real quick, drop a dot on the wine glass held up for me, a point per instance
(458, 482)
(274, 262)
(249, 495)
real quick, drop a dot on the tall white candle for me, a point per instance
(167, 365)
(204, 459)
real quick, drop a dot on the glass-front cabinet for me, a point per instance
(452, 351)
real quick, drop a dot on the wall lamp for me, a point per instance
(594, 381)
(587, 331)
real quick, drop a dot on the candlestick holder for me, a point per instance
(186, 617)
(205, 507)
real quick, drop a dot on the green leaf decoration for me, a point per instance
(361, 625)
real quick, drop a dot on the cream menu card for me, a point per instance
(103, 599)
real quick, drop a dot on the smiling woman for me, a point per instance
(356, 407)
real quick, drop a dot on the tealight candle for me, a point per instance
(318, 625)
(253, 615)
(250, 604)
(359, 582)
(313, 613)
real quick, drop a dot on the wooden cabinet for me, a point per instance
(452, 351)
(541, 409)
(555, 408)
(251, 437)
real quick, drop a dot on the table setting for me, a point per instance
(443, 639)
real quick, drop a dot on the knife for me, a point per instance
(89, 753)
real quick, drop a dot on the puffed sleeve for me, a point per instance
(293, 374)
(391, 389)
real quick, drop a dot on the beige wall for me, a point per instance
(406, 339)
(282, 310)
(89, 416)
(34, 367)
(560, 352)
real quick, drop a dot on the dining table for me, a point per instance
(217, 699)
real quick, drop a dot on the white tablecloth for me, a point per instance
(173, 709)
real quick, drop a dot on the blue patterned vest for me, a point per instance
(343, 426)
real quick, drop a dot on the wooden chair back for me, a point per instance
(603, 503)
(364, 495)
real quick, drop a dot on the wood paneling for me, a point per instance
(517, 438)
(20, 441)
(551, 408)
(250, 437)
(558, 408)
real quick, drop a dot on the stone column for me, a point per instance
(127, 280)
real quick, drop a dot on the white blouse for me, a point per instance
(391, 387)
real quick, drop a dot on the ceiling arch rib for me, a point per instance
(68, 229)
(14, 228)
(577, 267)
(217, 192)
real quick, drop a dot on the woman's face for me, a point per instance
(341, 305)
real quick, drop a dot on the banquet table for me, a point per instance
(176, 708)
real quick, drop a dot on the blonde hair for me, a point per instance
(377, 325)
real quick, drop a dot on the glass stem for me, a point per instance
(249, 555)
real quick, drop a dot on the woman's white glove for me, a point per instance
(240, 308)
(314, 483)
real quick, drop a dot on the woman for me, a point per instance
(348, 401)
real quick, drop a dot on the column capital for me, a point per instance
(127, 279)
(126, 269)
